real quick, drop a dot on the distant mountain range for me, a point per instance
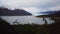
(15, 12)
(50, 13)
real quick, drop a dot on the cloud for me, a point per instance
(32, 9)
(32, 6)
(56, 8)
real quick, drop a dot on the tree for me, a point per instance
(5, 27)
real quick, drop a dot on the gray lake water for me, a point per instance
(26, 19)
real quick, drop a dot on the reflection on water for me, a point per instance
(26, 19)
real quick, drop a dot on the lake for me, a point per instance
(26, 19)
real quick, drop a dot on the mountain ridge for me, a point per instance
(50, 14)
(15, 12)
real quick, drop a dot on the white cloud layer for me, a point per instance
(32, 6)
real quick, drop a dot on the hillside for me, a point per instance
(50, 14)
(15, 12)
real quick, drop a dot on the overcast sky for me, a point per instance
(32, 6)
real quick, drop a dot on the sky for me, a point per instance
(32, 6)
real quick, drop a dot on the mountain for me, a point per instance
(50, 14)
(15, 12)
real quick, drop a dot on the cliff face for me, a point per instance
(16, 12)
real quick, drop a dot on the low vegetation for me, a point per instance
(6, 28)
